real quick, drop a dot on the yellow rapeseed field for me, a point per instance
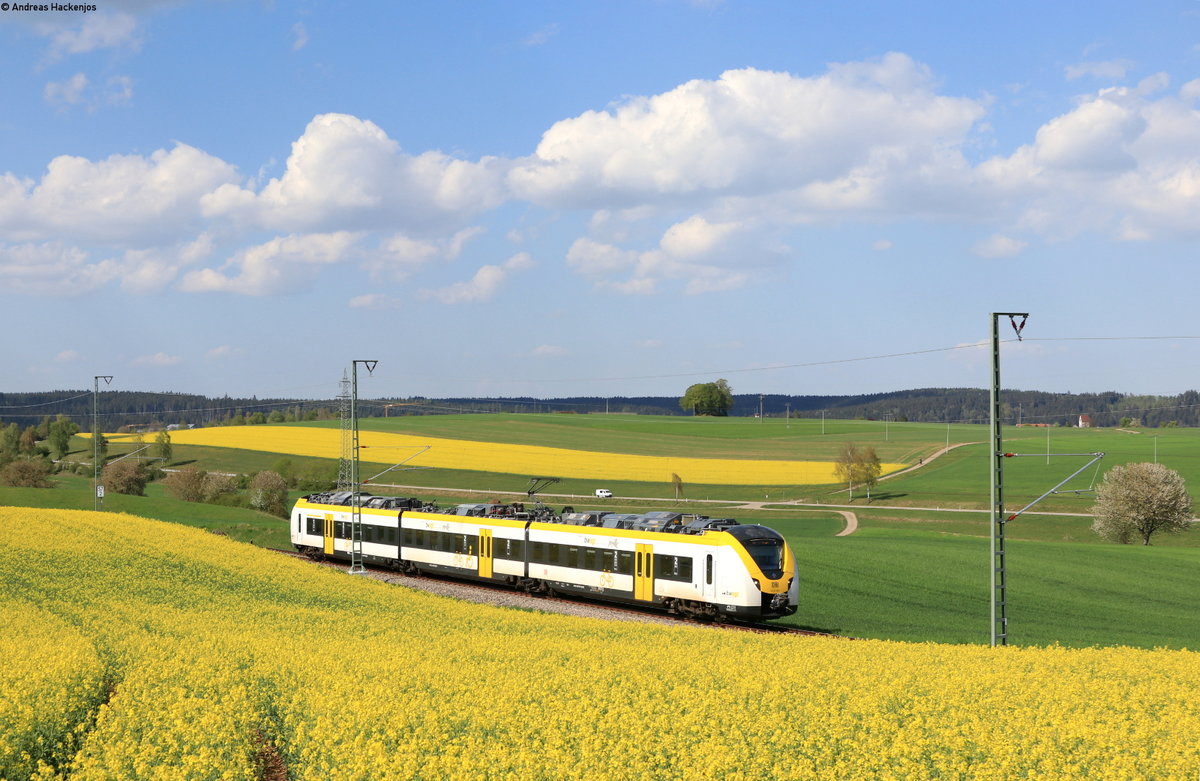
(135, 649)
(520, 459)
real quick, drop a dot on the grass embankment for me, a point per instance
(169, 654)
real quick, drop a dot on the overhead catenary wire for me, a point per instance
(627, 378)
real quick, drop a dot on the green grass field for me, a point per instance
(917, 568)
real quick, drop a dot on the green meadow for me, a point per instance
(917, 567)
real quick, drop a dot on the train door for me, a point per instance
(643, 573)
(709, 577)
(485, 553)
(328, 534)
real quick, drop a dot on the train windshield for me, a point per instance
(764, 545)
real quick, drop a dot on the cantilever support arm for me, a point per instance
(390, 468)
(1095, 457)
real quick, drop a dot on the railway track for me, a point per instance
(505, 596)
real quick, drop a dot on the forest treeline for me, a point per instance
(930, 405)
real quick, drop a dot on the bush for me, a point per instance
(217, 486)
(269, 493)
(186, 484)
(27, 473)
(125, 477)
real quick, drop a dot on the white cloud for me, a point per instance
(751, 133)
(375, 301)
(52, 268)
(120, 91)
(549, 351)
(1122, 162)
(541, 36)
(127, 200)
(68, 92)
(1111, 69)
(484, 285)
(695, 252)
(151, 270)
(399, 255)
(100, 29)
(997, 246)
(345, 173)
(882, 245)
(695, 236)
(157, 359)
(299, 36)
(224, 351)
(283, 264)
(66, 356)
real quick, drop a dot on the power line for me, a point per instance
(44, 403)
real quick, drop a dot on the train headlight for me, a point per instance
(757, 585)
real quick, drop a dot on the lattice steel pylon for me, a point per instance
(345, 480)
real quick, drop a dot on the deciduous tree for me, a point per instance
(1138, 500)
(708, 398)
(162, 445)
(59, 434)
(857, 466)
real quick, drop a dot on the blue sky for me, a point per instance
(606, 198)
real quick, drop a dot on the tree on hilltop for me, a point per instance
(708, 398)
(1139, 500)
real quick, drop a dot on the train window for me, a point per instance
(539, 552)
(708, 569)
(625, 567)
(316, 526)
(572, 556)
(589, 558)
(673, 568)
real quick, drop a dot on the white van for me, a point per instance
(603, 493)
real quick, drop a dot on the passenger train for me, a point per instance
(690, 565)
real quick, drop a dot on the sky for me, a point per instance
(612, 198)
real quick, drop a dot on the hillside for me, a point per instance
(929, 405)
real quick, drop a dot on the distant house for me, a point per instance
(1085, 421)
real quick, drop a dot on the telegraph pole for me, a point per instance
(356, 565)
(998, 570)
(99, 489)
